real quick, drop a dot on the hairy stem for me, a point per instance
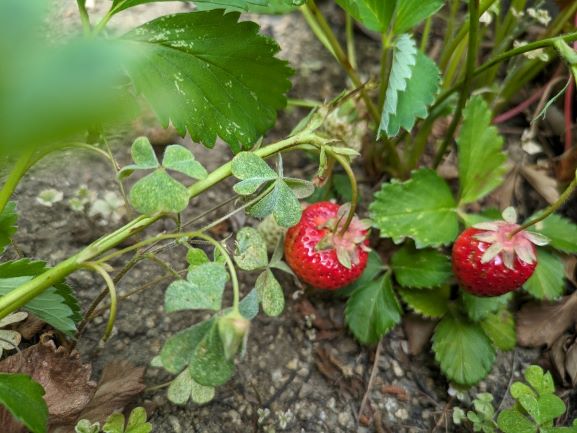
(354, 189)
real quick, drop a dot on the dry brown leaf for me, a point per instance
(543, 323)
(563, 356)
(30, 327)
(566, 166)
(545, 185)
(119, 384)
(62, 375)
(418, 331)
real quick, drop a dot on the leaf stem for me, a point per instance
(22, 164)
(231, 269)
(354, 188)
(552, 208)
(468, 81)
(569, 37)
(111, 290)
(84, 18)
(341, 56)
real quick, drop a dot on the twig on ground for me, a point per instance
(371, 380)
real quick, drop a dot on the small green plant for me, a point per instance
(535, 410)
(116, 423)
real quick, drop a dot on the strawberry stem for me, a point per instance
(551, 209)
(354, 189)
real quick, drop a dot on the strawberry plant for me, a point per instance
(213, 76)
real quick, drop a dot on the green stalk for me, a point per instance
(551, 209)
(468, 82)
(354, 189)
(350, 35)
(452, 45)
(316, 29)
(426, 34)
(32, 288)
(86, 26)
(341, 56)
(112, 291)
(20, 167)
(569, 37)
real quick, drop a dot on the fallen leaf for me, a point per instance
(545, 185)
(418, 331)
(563, 357)
(119, 384)
(566, 166)
(306, 309)
(63, 376)
(30, 327)
(543, 323)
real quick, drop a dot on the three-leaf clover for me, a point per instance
(281, 194)
(158, 191)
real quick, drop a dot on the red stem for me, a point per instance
(509, 114)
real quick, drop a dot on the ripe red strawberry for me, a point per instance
(489, 262)
(317, 252)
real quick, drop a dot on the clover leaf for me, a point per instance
(158, 191)
(282, 197)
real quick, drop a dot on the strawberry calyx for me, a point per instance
(506, 241)
(345, 243)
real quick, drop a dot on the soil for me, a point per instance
(297, 376)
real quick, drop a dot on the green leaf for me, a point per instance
(210, 75)
(120, 5)
(178, 349)
(547, 282)
(413, 103)
(179, 158)
(143, 154)
(462, 349)
(56, 305)
(23, 398)
(561, 232)
(251, 251)
(343, 187)
(513, 421)
(209, 366)
(86, 426)
(420, 269)
(270, 293)
(196, 257)
(404, 61)
(428, 303)
(500, 328)
(375, 267)
(421, 208)
(374, 14)
(541, 381)
(281, 202)
(485, 216)
(8, 219)
(253, 172)
(481, 157)
(410, 13)
(478, 307)
(183, 387)
(249, 305)
(158, 192)
(550, 408)
(202, 289)
(373, 310)
(114, 424)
